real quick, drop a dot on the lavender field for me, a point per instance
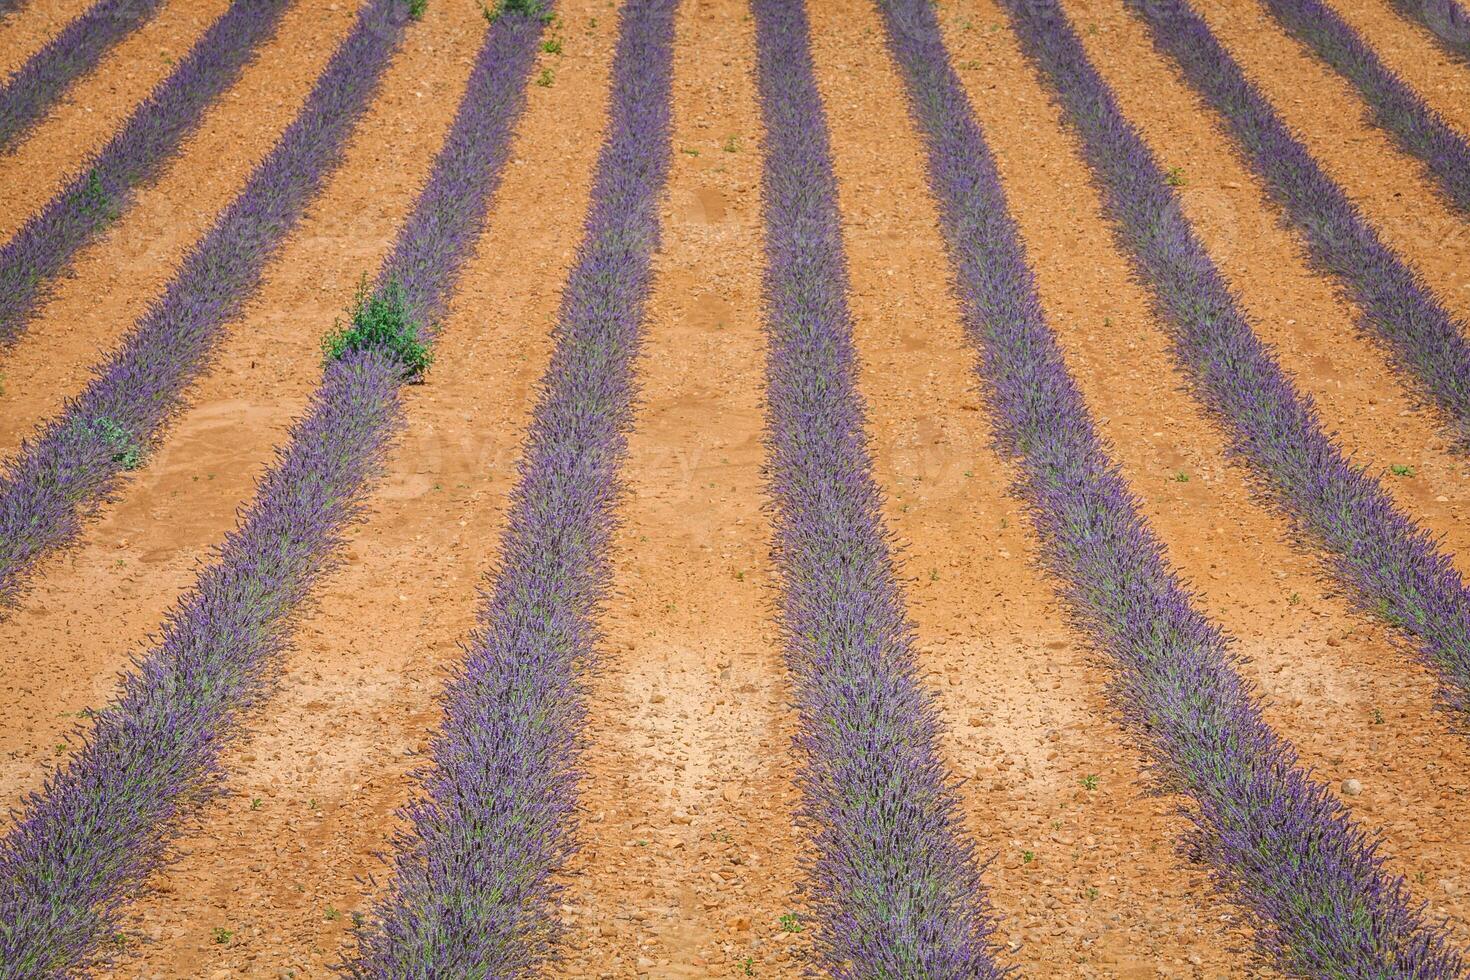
(735, 488)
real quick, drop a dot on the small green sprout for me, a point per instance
(1175, 177)
(223, 935)
(1402, 470)
(1089, 782)
(416, 9)
(791, 922)
(545, 78)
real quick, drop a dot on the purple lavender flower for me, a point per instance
(105, 187)
(1447, 20)
(75, 461)
(29, 93)
(1319, 902)
(894, 882)
(1397, 309)
(83, 844)
(472, 893)
(1389, 566)
(1417, 128)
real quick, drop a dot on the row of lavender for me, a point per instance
(1276, 840)
(77, 458)
(1395, 106)
(1390, 566)
(29, 93)
(1447, 20)
(1396, 308)
(87, 839)
(894, 882)
(474, 889)
(106, 185)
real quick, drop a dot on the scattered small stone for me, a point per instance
(1351, 787)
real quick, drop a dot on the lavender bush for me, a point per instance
(105, 187)
(105, 820)
(1447, 20)
(894, 882)
(1395, 107)
(472, 893)
(1316, 896)
(1396, 308)
(1388, 565)
(83, 844)
(29, 93)
(76, 459)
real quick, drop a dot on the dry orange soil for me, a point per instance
(690, 854)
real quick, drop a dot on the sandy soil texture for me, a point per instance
(690, 860)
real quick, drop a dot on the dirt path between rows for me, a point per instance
(329, 757)
(691, 851)
(1333, 682)
(29, 30)
(1392, 188)
(115, 278)
(1086, 880)
(1411, 52)
(92, 607)
(96, 106)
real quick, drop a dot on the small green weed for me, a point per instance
(125, 449)
(380, 321)
(223, 935)
(1175, 177)
(1400, 470)
(791, 922)
(416, 9)
(545, 78)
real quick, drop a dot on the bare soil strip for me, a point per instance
(94, 606)
(1412, 53)
(96, 106)
(1293, 307)
(1082, 877)
(1390, 187)
(115, 278)
(29, 30)
(1328, 674)
(328, 758)
(690, 852)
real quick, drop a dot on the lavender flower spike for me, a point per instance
(78, 457)
(105, 187)
(1387, 564)
(83, 844)
(472, 890)
(29, 93)
(1277, 842)
(1396, 308)
(1417, 128)
(894, 880)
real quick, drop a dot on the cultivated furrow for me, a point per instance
(1418, 129)
(110, 427)
(28, 94)
(100, 824)
(1389, 566)
(473, 882)
(1276, 841)
(895, 884)
(1397, 309)
(104, 189)
(1447, 20)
